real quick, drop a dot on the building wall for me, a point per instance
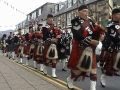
(100, 11)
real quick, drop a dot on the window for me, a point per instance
(39, 12)
(56, 8)
(33, 15)
(116, 3)
(69, 19)
(59, 20)
(28, 17)
(69, 3)
(61, 6)
(63, 20)
(74, 1)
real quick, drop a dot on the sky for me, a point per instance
(13, 12)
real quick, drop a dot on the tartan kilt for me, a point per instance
(19, 50)
(109, 60)
(61, 52)
(26, 49)
(101, 58)
(46, 46)
(37, 57)
(4, 49)
(16, 49)
(31, 51)
(68, 49)
(76, 55)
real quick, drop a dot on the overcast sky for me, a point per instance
(9, 16)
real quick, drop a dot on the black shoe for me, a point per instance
(35, 68)
(54, 77)
(102, 85)
(70, 88)
(116, 74)
(44, 73)
(64, 69)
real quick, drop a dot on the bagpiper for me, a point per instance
(11, 46)
(39, 47)
(28, 44)
(110, 57)
(50, 37)
(64, 48)
(20, 46)
(4, 44)
(86, 39)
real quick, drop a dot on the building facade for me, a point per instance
(64, 12)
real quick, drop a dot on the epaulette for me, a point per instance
(74, 20)
(47, 26)
(110, 24)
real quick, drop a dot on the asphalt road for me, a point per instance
(113, 83)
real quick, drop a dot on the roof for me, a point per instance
(40, 7)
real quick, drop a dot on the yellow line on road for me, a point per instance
(56, 82)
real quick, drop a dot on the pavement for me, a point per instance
(15, 77)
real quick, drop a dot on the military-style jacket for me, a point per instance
(49, 33)
(84, 30)
(112, 39)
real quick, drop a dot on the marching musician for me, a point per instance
(28, 42)
(20, 47)
(64, 48)
(4, 44)
(11, 46)
(50, 37)
(39, 47)
(86, 39)
(110, 57)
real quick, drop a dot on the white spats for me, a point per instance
(45, 70)
(41, 67)
(35, 64)
(70, 82)
(27, 62)
(63, 63)
(92, 85)
(102, 80)
(54, 72)
(5, 54)
(21, 60)
(13, 55)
